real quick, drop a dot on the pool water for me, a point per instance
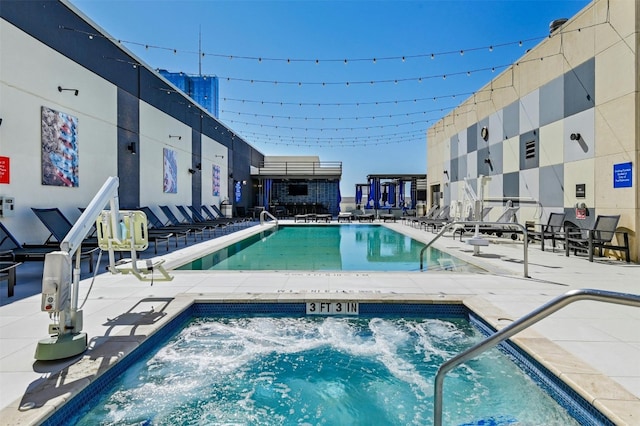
(329, 248)
(329, 371)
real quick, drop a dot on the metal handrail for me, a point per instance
(519, 325)
(264, 213)
(480, 223)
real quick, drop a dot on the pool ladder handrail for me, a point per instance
(264, 213)
(480, 224)
(519, 325)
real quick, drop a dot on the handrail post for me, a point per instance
(264, 213)
(519, 325)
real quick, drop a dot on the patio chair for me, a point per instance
(12, 250)
(600, 237)
(552, 230)
(8, 273)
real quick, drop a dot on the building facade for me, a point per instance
(77, 107)
(558, 131)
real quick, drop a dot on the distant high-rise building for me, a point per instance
(202, 88)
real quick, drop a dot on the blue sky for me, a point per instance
(371, 115)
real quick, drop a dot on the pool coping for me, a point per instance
(51, 393)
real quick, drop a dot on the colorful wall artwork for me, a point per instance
(216, 181)
(59, 148)
(170, 169)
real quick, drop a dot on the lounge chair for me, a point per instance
(209, 215)
(552, 230)
(173, 221)
(345, 216)
(58, 225)
(240, 217)
(600, 237)
(439, 220)
(197, 217)
(508, 216)
(415, 221)
(157, 226)
(365, 217)
(12, 250)
(462, 229)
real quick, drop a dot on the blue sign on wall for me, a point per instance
(622, 175)
(238, 192)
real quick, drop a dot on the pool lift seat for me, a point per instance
(117, 231)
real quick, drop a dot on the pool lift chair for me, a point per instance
(477, 200)
(117, 231)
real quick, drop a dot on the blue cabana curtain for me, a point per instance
(358, 194)
(267, 193)
(401, 193)
(372, 194)
(377, 194)
(392, 194)
(339, 198)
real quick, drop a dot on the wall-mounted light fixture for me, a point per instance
(446, 172)
(575, 136)
(192, 171)
(199, 166)
(62, 89)
(132, 147)
(244, 182)
(175, 136)
(484, 133)
(488, 161)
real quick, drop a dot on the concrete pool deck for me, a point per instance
(594, 347)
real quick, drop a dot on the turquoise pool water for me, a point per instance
(311, 371)
(329, 248)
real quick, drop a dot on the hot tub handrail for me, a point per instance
(502, 224)
(264, 213)
(519, 325)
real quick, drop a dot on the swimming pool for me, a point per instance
(198, 376)
(343, 247)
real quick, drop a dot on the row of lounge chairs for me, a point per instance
(574, 238)
(196, 222)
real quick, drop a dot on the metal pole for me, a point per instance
(519, 325)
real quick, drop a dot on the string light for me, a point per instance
(369, 82)
(328, 104)
(343, 60)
